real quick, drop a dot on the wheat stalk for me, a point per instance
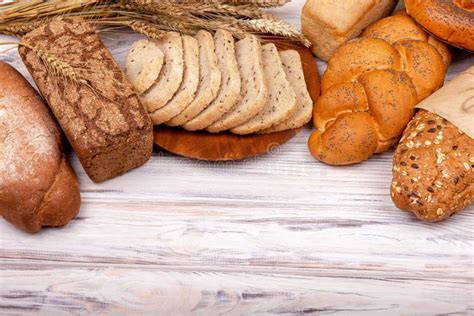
(147, 29)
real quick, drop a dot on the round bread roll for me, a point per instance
(450, 20)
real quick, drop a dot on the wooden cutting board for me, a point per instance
(227, 146)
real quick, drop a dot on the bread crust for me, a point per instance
(384, 73)
(452, 21)
(330, 23)
(37, 184)
(107, 126)
(433, 168)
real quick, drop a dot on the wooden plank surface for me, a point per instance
(276, 234)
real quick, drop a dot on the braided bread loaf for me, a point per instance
(370, 88)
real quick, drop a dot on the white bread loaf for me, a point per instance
(330, 23)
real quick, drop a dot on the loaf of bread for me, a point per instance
(103, 119)
(450, 20)
(370, 88)
(330, 23)
(433, 165)
(37, 184)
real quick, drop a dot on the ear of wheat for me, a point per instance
(152, 17)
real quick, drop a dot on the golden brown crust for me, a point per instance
(37, 184)
(433, 168)
(384, 74)
(450, 20)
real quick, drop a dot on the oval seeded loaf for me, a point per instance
(37, 184)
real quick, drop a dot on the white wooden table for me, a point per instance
(277, 234)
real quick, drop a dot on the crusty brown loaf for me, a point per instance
(108, 128)
(450, 20)
(370, 88)
(37, 184)
(330, 23)
(433, 168)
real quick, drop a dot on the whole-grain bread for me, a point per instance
(143, 65)
(187, 91)
(230, 83)
(104, 121)
(171, 75)
(281, 98)
(209, 81)
(433, 166)
(253, 94)
(291, 61)
(37, 184)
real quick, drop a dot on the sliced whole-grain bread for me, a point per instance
(143, 65)
(291, 61)
(230, 83)
(253, 92)
(281, 99)
(171, 76)
(209, 80)
(186, 92)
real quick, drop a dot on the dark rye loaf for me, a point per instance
(107, 127)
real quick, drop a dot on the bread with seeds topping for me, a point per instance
(433, 168)
(370, 88)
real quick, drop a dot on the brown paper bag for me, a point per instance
(455, 102)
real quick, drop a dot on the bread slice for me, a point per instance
(253, 94)
(171, 75)
(281, 99)
(143, 64)
(186, 92)
(230, 83)
(291, 61)
(209, 80)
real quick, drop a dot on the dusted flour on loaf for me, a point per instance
(107, 126)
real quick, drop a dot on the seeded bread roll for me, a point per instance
(104, 121)
(37, 184)
(450, 20)
(433, 168)
(370, 88)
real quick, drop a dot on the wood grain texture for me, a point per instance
(274, 234)
(227, 146)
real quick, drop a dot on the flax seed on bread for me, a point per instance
(187, 91)
(281, 99)
(253, 95)
(230, 83)
(171, 76)
(293, 67)
(209, 81)
(143, 65)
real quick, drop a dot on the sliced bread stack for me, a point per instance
(210, 83)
